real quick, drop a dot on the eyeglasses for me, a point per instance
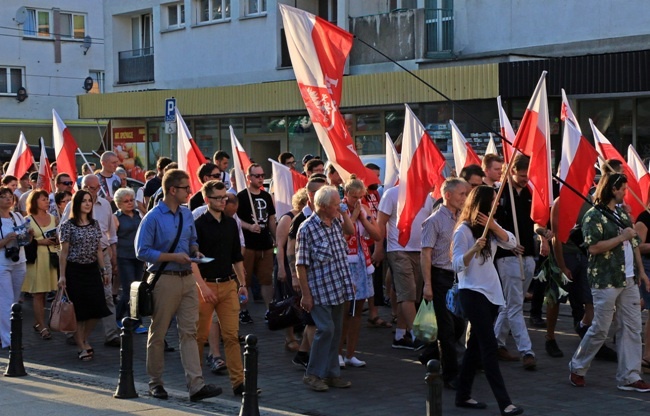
(257, 175)
(219, 198)
(215, 176)
(187, 188)
(126, 201)
(92, 188)
(292, 163)
(67, 183)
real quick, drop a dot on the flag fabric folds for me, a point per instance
(286, 182)
(189, 155)
(463, 153)
(65, 147)
(567, 114)
(606, 150)
(640, 173)
(421, 169)
(318, 51)
(241, 161)
(507, 132)
(491, 147)
(22, 158)
(533, 140)
(44, 171)
(577, 170)
(391, 175)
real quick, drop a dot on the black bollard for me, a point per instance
(16, 368)
(125, 384)
(434, 396)
(249, 405)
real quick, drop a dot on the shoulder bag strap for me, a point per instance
(171, 250)
(42, 233)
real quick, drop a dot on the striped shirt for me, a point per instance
(437, 232)
(323, 250)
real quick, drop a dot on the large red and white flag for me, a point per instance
(640, 173)
(567, 114)
(286, 182)
(534, 140)
(577, 170)
(507, 132)
(65, 147)
(391, 175)
(241, 161)
(44, 172)
(21, 160)
(607, 151)
(190, 157)
(463, 153)
(318, 51)
(420, 172)
(491, 148)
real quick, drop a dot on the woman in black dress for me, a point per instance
(83, 274)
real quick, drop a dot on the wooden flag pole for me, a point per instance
(514, 220)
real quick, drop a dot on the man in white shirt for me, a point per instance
(404, 263)
(109, 181)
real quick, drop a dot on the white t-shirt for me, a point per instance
(629, 258)
(7, 226)
(388, 205)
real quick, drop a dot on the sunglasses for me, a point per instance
(215, 176)
(67, 183)
(620, 178)
(257, 175)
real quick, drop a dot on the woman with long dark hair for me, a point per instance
(480, 296)
(82, 271)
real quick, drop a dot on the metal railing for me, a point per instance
(439, 26)
(136, 66)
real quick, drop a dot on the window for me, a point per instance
(254, 7)
(176, 15)
(11, 79)
(213, 10)
(439, 26)
(39, 23)
(141, 40)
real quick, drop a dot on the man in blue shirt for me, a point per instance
(175, 292)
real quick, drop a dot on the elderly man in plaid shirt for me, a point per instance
(325, 282)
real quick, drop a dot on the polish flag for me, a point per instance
(190, 157)
(607, 151)
(420, 171)
(65, 147)
(640, 173)
(567, 114)
(21, 160)
(533, 140)
(391, 175)
(577, 170)
(507, 132)
(44, 171)
(318, 51)
(286, 182)
(240, 160)
(463, 153)
(491, 148)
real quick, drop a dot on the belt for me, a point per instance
(179, 273)
(221, 279)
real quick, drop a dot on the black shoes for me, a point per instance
(552, 349)
(159, 392)
(537, 322)
(207, 391)
(115, 342)
(239, 390)
(473, 404)
(514, 411)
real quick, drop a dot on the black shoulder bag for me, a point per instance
(141, 296)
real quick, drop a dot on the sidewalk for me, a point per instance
(391, 384)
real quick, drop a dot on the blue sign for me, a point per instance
(170, 110)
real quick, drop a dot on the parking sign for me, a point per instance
(170, 110)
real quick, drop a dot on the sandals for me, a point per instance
(291, 345)
(44, 332)
(218, 364)
(377, 322)
(85, 355)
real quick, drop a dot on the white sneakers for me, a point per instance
(354, 362)
(341, 362)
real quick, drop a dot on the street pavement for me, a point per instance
(391, 384)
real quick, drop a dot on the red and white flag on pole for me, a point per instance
(421, 170)
(190, 157)
(65, 147)
(286, 182)
(567, 114)
(318, 51)
(241, 161)
(507, 132)
(491, 148)
(640, 172)
(577, 170)
(607, 151)
(463, 153)
(21, 160)
(44, 171)
(534, 140)
(391, 175)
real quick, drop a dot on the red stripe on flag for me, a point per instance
(299, 180)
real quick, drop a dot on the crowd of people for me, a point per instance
(209, 253)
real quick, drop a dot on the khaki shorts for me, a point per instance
(260, 264)
(407, 275)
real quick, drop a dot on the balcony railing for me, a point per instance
(439, 28)
(136, 66)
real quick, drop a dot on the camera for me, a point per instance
(12, 253)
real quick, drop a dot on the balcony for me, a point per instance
(439, 29)
(136, 66)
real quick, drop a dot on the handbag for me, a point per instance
(31, 251)
(141, 294)
(284, 311)
(453, 303)
(62, 316)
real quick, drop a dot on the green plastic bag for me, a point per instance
(425, 326)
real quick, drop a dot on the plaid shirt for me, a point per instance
(323, 250)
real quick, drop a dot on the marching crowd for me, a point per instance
(338, 250)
